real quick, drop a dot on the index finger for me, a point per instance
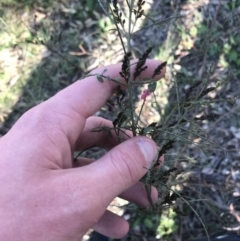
(71, 107)
(89, 95)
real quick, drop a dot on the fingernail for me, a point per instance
(148, 149)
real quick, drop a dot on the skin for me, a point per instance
(44, 196)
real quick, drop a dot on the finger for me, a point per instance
(97, 93)
(119, 169)
(82, 161)
(97, 184)
(85, 97)
(105, 139)
(70, 107)
(136, 194)
(111, 225)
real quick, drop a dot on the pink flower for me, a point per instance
(145, 94)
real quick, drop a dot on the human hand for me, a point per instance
(43, 198)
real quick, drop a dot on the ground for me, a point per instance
(46, 46)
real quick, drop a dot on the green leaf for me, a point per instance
(104, 71)
(108, 78)
(100, 79)
(117, 79)
(152, 86)
(148, 223)
(233, 56)
(147, 79)
(148, 129)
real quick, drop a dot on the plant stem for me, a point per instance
(148, 190)
(140, 111)
(160, 22)
(129, 25)
(61, 56)
(132, 106)
(130, 85)
(119, 33)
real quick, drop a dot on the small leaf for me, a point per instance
(148, 129)
(148, 223)
(100, 79)
(152, 86)
(117, 79)
(108, 78)
(233, 56)
(105, 70)
(113, 29)
(148, 79)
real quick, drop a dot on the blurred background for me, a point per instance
(47, 45)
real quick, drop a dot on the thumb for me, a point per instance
(120, 168)
(88, 190)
